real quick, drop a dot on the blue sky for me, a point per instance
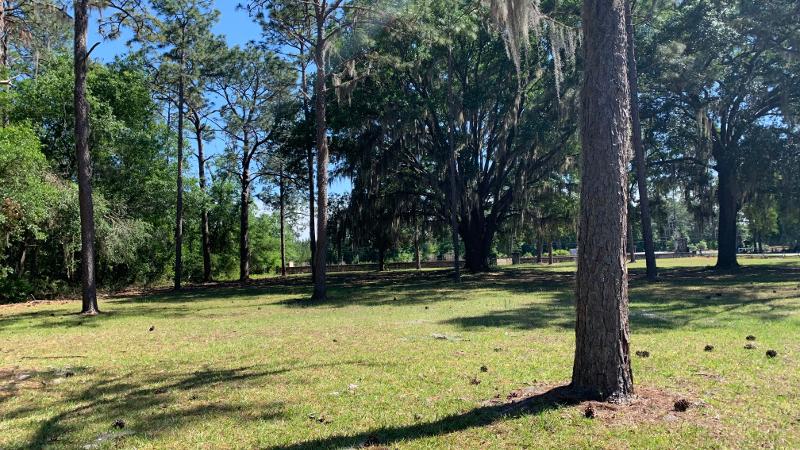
(238, 29)
(234, 24)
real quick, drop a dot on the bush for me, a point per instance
(14, 289)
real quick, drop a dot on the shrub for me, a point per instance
(13, 289)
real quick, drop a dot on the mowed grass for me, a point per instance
(261, 367)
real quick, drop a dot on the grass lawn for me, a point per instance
(402, 360)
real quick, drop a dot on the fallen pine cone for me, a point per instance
(682, 405)
(589, 412)
(751, 338)
(772, 353)
(643, 354)
(709, 348)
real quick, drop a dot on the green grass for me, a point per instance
(260, 367)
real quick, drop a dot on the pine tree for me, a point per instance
(177, 31)
(602, 366)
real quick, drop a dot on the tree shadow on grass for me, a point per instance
(56, 319)
(160, 404)
(408, 288)
(682, 297)
(556, 312)
(772, 273)
(292, 285)
(478, 417)
(673, 301)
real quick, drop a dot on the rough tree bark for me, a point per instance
(550, 253)
(728, 210)
(602, 368)
(639, 158)
(88, 282)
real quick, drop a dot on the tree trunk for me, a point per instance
(244, 219)
(639, 157)
(550, 252)
(539, 249)
(631, 243)
(282, 199)
(179, 203)
(454, 218)
(381, 259)
(728, 210)
(476, 254)
(4, 72)
(3, 39)
(321, 256)
(453, 172)
(35, 262)
(312, 234)
(206, 239)
(312, 241)
(602, 368)
(417, 253)
(477, 233)
(88, 282)
(20, 266)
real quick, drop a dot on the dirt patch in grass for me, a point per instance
(648, 406)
